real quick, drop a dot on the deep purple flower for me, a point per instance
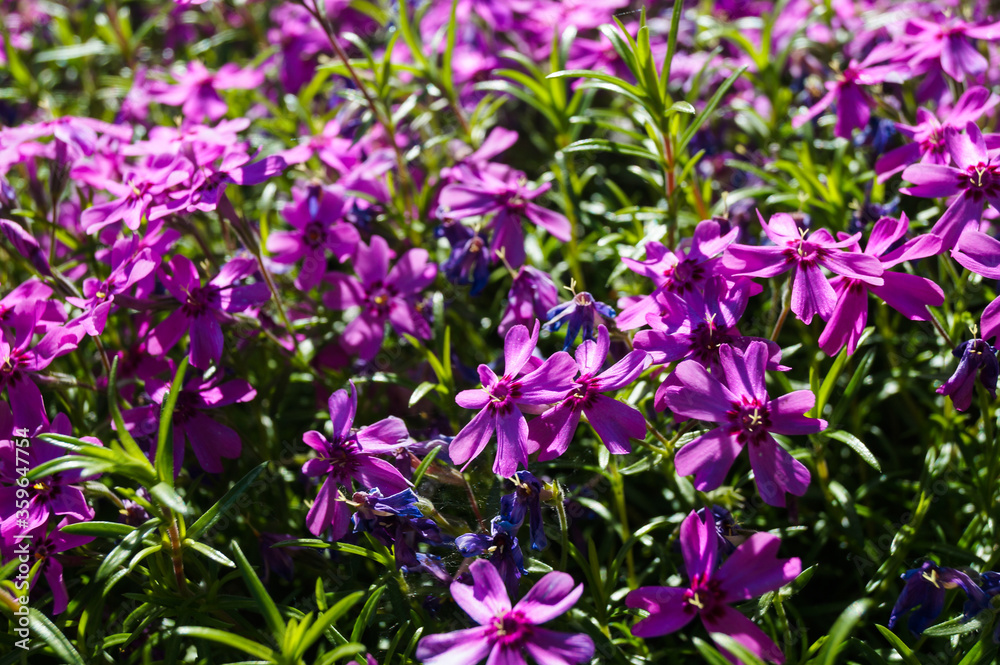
(505, 633)
(507, 198)
(196, 90)
(945, 43)
(350, 455)
(134, 197)
(524, 501)
(974, 177)
(747, 416)
(383, 295)
(753, 569)
(499, 399)
(395, 521)
(679, 271)
(210, 440)
(203, 308)
(532, 294)
(975, 355)
(469, 261)
(41, 548)
(581, 313)
(615, 422)
(909, 294)
(807, 254)
(503, 548)
(318, 218)
(924, 593)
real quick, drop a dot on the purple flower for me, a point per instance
(395, 521)
(350, 455)
(924, 593)
(945, 43)
(204, 307)
(980, 253)
(469, 262)
(196, 90)
(853, 104)
(502, 546)
(524, 501)
(532, 294)
(929, 145)
(211, 441)
(581, 313)
(753, 569)
(747, 416)
(383, 295)
(974, 177)
(975, 355)
(909, 294)
(318, 218)
(615, 422)
(57, 494)
(806, 253)
(499, 399)
(505, 633)
(508, 199)
(40, 548)
(677, 272)
(135, 195)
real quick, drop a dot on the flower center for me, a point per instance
(197, 301)
(750, 421)
(314, 235)
(510, 628)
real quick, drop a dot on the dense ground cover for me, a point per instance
(456, 331)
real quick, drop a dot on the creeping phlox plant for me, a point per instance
(446, 331)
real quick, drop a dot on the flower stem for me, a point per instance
(563, 527)
(618, 488)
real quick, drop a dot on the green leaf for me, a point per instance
(341, 652)
(730, 644)
(222, 506)
(75, 51)
(904, 651)
(124, 436)
(166, 495)
(99, 529)
(713, 103)
(329, 617)
(47, 631)
(264, 602)
(421, 391)
(841, 630)
(229, 639)
(210, 552)
(361, 551)
(367, 612)
(597, 76)
(603, 145)
(681, 107)
(707, 651)
(124, 550)
(304, 542)
(959, 626)
(165, 442)
(856, 445)
(418, 475)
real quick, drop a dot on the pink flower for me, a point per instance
(505, 633)
(196, 91)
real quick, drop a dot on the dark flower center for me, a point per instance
(197, 301)
(704, 595)
(705, 340)
(502, 395)
(750, 421)
(314, 235)
(982, 180)
(510, 629)
(344, 457)
(683, 276)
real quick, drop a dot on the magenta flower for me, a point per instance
(682, 271)
(507, 198)
(615, 422)
(928, 135)
(350, 455)
(945, 44)
(57, 494)
(746, 417)
(806, 253)
(204, 307)
(39, 546)
(134, 197)
(318, 218)
(197, 89)
(906, 293)
(532, 294)
(505, 633)
(499, 399)
(750, 571)
(853, 104)
(980, 253)
(383, 295)
(974, 177)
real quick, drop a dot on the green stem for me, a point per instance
(618, 488)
